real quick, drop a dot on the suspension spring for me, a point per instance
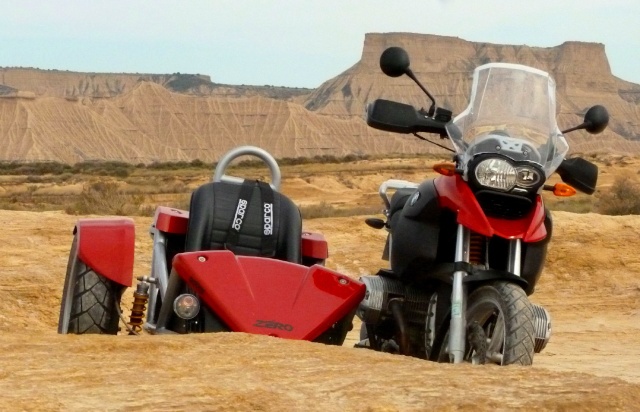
(476, 249)
(140, 299)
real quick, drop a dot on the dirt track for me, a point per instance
(591, 286)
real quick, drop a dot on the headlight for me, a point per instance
(186, 306)
(527, 177)
(496, 174)
(499, 174)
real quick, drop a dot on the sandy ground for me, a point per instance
(591, 286)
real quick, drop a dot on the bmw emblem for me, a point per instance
(414, 198)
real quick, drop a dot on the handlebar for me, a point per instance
(403, 118)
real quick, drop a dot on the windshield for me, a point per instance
(512, 111)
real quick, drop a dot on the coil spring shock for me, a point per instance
(476, 249)
(140, 299)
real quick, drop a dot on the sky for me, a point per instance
(294, 43)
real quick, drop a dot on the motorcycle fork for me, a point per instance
(458, 326)
(515, 256)
(459, 295)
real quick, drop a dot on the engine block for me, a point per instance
(381, 290)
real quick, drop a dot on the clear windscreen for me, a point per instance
(511, 112)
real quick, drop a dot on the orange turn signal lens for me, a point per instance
(563, 190)
(445, 168)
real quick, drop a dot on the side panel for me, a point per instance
(314, 246)
(171, 220)
(268, 296)
(107, 246)
(454, 194)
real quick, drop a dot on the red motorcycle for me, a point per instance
(236, 261)
(467, 248)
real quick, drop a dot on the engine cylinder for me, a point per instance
(376, 299)
(380, 290)
(542, 327)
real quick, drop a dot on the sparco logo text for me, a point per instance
(239, 217)
(268, 219)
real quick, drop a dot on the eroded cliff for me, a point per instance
(71, 117)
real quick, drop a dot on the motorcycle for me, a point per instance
(236, 261)
(466, 248)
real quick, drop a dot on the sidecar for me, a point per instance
(236, 261)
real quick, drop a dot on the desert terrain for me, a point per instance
(591, 286)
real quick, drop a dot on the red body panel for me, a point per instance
(530, 228)
(455, 194)
(107, 246)
(268, 296)
(314, 246)
(171, 220)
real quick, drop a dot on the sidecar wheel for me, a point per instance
(93, 300)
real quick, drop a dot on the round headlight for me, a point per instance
(497, 174)
(186, 306)
(528, 177)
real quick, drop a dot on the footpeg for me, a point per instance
(375, 222)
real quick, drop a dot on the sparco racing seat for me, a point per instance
(248, 217)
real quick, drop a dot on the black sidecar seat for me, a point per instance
(213, 207)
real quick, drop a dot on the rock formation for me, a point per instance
(71, 117)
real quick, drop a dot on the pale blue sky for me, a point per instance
(297, 43)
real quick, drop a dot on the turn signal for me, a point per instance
(563, 190)
(445, 168)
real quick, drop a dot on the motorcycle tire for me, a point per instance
(496, 306)
(505, 306)
(95, 299)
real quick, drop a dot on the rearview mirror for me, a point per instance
(394, 61)
(595, 121)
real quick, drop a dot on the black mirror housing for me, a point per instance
(596, 119)
(394, 62)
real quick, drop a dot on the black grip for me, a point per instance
(402, 118)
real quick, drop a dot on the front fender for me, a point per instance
(479, 277)
(107, 246)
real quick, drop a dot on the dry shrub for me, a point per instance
(577, 204)
(622, 198)
(324, 209)
(107, 198)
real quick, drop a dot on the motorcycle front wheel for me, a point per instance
(505, 315)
